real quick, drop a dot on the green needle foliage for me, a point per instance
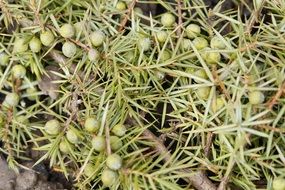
(188, 99)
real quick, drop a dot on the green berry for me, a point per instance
(20, 45)
(200, 43)
(217, 43)
(31, 93)
(161, 36)
(192, 31)
(129, 56)
(47, 38)
(89, 170)
(217, 104)
(18, 71)
(93, 55)
(115, 143)
(91, 124)
(256, 97)
(52, 127)
(167, 19)
(165, 55)
(98, 143)
(97, 38)
(35, 45)
(119, 130)
(203, 92)
(79, 27)
(114, 161)
(121, 6)
(144, 44)
(72, 136)
(4, 59)
(201, 73)
(67, 31)
(109, 177)
(278, 184)
(69, 49)
(138, 10)
(210, 56)
(159, 75)
(11, 99)
(64, 147)
(186, 44)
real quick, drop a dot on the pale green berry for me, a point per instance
(97, 38)
(64, 147)
(69, 49)
(12, 99)
(35, 45)
(93, 55)
(144, 44)
(167, 19)
(4, 59)
(130, 56)
(91, 124)
(119, 130)
(21, 119)
(52, 127)
(203, 92)
(114, 161)
(79, 28)
(20, 45)
(72, 136)
(217, 43)
(159, 75)
(18, 71)
(109, 177)
(89, 170)
(47, 38)
(278, 184)
(138, 10)
(213, 57)
(161, 36)
(98, 143)
(192, 31)
(256, 97)
(258, 3)
(186, 44)
(200, 43)
(115, 143)
(201, 73)
(165, 55)
(67, 31)
(121, 6)
(31, 93)
(217, 104)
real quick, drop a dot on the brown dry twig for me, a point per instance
(126, 17)
(275, 98)
(179, 9)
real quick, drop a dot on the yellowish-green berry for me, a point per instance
(35, 45)
(52, 127)
(278, 184)
(67, 31)
(31, 93)
(165, 55)
(93, 55)
(167, 19)
(4, 59)
(217, 43)
(217, 104)
(64, 147)
(203, 92)
(161, 36)
(200, 43)
(114, 161)
(109, 177)
(20, 45)
(192, 31)
(115, 143)
(121, 6)
(144, 44)
(69, 49)
(12, 99)
(186, 44)
(97, 38)
(79, 28)
(89, 170)
(201, 73)
(72, 137)
(18, 71)
(47, 38)
(91, 124)
(98, 143)
(119, 130)
(256, 97)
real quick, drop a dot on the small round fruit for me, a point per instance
(91, 124)
(98, 143)
(20, 45)
(161, 36)
(217, 43)
(97, 38)
(89, 170)
(278, 184)
(114, 161)
(93, 55)
(144, 44)
(72, 136)
(52, 127)
(192, 31)
(256, 97)
(138, 10)
(186, 44)
(121, 6)
(109, 177)
(212, 57)
(201, 73)
(115, 143)
(67, 31)
(4, 59)
(129, 56)
(47, 38)
(167, 19)
(200, 43)
(11, 99)
(203, 92)
(31, 93)
(119, 130)
(165, 55)
(79, 27)
(64, 146)
(18, 71)
(69, 49)
(159, 75)
(217, 104)
(35, 45)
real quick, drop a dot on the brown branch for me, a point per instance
(220, 83)
(275, 98)
(127, 16)
(180, 22)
